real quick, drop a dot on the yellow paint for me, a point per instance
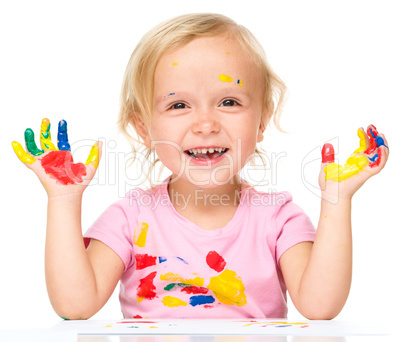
(140, 234)
(363, 145)
(225, 78)
(152, 327)
(175, 63)
(197, 281)
(108, 326)
(241, 83)
(21, 154)
(45, 136)
(93, 157)
(354, 165)
(173, 302)
(228, 53)
(228, 288)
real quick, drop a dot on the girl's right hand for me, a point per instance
(54, 166)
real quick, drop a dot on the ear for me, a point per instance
(265, 117)
(142, 130)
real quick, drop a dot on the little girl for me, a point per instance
(204, 243)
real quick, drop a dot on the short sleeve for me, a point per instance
(115, 228)
(293, 226)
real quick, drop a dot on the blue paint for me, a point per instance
(374, 158)
(380, 141)
(62, 137)
(182, 260)
(162, 259)
(201, 300)
(282, 326)
(371, 132)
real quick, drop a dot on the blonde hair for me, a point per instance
(138, 84)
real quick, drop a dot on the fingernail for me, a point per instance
(327, 153)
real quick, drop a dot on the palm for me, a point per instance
(55, 167)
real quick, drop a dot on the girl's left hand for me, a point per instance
(342, 181)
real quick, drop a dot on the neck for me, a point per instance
(183, 194)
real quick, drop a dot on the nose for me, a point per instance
(205, 122)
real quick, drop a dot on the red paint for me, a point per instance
(144, 260)
(194, 289)
(137, 316)
(60, 165)
(208, 306)
(378, 161)
(146, 289)
(136, 322)
(327, 153)
(215, 261)
(372, 134)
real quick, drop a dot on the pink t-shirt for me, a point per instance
(176, 269)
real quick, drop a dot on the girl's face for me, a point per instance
(207, 94)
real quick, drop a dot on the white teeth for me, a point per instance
(205, 150)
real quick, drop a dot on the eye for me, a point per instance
(178, 105)
(228, 103)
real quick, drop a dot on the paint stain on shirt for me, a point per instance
(140, 234)
(146, 289)
(215, 261)
(228, 288)
(173, 301)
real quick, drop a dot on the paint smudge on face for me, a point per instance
(140, 234)
(144, 261)
(59, 164)
(175, 63)
(225, 78)
(170, 94)
(173, 302)
(201, 300)
(240, 83)
(197, 281)
(228, 288)
(215, 261)
(146, 289)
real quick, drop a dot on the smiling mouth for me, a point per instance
(206, 155)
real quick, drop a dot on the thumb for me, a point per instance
(327, 157)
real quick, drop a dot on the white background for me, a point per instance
(340, 60)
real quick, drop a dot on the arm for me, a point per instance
(318, 276)
(79, 281)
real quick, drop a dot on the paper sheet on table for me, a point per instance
(220, 327)
(37, 335)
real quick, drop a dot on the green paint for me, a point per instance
(65, 318)
(30, 142)
(46, 134)
(173, 285)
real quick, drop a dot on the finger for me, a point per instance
(364, 141)
(30, 142)
(327, 153)
(94, 155)
(26, 158)
(372, 134)
(45, 137)
(381, 157)
(62, 137)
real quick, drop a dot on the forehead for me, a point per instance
(208, 56)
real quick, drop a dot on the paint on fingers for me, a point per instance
(93, 157)
(30, 143)
(62, 137)
(327, 153)
(21, 154)
(45, 136)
